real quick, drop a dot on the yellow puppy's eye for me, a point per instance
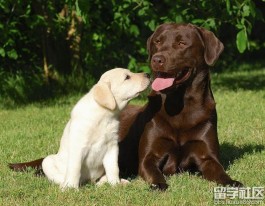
(127, 77)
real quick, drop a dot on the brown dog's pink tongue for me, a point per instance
(162, 83)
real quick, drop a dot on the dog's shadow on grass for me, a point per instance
(230, 153)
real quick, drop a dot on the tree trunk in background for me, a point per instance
(74, 38)
(61, 49)
(40, 9)
(45, 62)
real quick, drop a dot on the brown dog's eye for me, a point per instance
(181, 43)
(127, 77)
(157, 41)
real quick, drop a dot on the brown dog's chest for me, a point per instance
(186, 119)
(186, 112)
(183, 122)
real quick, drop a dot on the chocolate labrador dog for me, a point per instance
(177, 129)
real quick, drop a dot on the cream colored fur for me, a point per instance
(89, 144)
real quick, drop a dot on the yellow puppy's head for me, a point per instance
(118, 86)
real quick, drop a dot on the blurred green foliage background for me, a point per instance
(54, 47)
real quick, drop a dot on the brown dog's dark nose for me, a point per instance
(158, 60)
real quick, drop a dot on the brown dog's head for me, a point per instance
(177, 51)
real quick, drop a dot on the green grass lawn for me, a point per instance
(33, 131)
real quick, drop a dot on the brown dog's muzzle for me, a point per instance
(158, 62)
(166, 78)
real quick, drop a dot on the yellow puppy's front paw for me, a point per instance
(124, 181)
(67, 185)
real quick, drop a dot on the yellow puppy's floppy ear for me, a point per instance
(103, 96)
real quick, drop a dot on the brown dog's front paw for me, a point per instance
(159, 186)
(235, 183)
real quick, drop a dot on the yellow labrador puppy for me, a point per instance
(89, 145)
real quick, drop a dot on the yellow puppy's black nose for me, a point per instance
(147, 75)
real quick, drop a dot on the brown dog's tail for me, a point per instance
(22, 167)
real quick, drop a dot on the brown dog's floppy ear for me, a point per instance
(213, 46)
(150, 47)
(103, 96)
